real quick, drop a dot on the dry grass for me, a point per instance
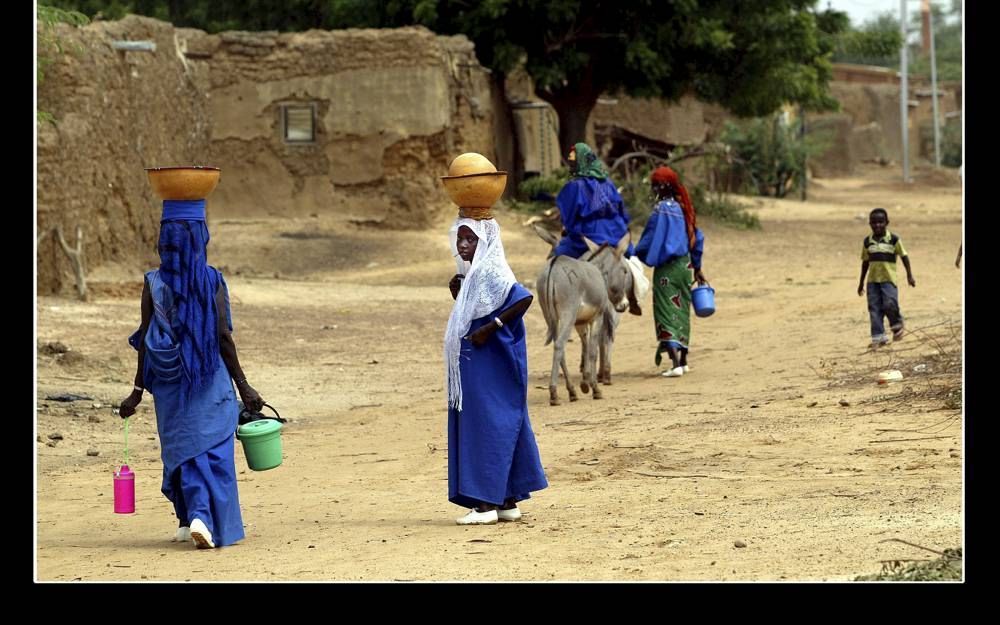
(930, 359)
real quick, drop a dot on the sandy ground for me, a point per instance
(340, 329)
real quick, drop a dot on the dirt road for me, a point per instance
(341, 330)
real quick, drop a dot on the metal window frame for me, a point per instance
(284, 122)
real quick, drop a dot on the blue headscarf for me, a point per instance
(184, 268)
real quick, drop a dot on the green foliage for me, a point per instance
(96, 9)
(252, 15)
(49, 43)
(947, 48)
(951, 141)
(769, 154)
(946, 568)
(750, 56)
(715, 205)
(877, 42)
(529, 207)
(549, 184)
(722, 208)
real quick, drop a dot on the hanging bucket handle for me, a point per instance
(277, 416)
(257, 416)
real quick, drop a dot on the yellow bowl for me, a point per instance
(475, 190)
(470, 163)
(183, 183)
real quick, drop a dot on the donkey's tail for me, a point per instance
(549, 305)
(608, 325)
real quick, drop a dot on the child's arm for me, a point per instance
(909, 274)
(861, 281)
(455, 285)
(480, 336)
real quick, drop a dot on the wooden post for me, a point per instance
(75, 258)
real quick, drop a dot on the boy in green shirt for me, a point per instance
(878, 260)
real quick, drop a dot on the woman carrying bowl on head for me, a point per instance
(187, 359)
(493, 460)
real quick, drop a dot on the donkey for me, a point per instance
(588, 294)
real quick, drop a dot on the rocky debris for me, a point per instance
(68, 397)
(53, 348)
(70, 359)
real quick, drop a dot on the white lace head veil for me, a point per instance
(487, 283)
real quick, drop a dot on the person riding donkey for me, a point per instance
(591, 207)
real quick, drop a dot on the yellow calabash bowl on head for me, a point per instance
(470, 163)
(183, 183)
(476, 190)
(473, 181)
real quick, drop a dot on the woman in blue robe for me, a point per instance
(590, 207)
(673, 244)
(493, 460)
(187, 359)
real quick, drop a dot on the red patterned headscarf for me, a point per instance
(665, 175)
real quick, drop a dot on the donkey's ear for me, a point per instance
(545, 235)
(622, 244)
(593, 247)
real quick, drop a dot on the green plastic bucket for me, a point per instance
(261, 443)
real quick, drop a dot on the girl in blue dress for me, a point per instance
(493, 460)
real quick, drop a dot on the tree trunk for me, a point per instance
(573, 104)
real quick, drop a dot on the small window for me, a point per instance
(299, 123)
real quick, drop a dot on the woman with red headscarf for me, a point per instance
(673, 245)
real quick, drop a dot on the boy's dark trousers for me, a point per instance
(883, 300)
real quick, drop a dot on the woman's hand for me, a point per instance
(699, 275)
(127, 408)
(455, 285)
(480, 336)
(251, 398)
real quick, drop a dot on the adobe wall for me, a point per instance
(116, 112)
(868, 126)
(393, 108)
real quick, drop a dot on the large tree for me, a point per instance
(751, 56)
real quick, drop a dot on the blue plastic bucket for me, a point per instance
(703, 298)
